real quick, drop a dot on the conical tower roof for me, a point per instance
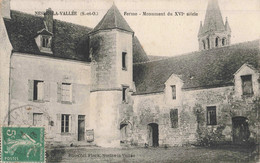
(112, 20)
(213, 19)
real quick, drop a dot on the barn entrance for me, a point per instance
(81, 127)
(153, 134)
(241, 131)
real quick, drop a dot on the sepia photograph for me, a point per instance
(130, 81)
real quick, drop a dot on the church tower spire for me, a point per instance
(213, 33)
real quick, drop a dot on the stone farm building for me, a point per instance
(98, 86)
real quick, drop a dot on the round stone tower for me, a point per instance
(111, 74)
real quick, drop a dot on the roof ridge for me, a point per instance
(115, 16)
(194, 52)
(53, 19)
(73, 24)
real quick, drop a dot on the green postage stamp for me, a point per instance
(23, 144)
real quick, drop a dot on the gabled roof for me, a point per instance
(70, 41)
(213, 19)
(44, 32)
(112, 20)
(245, 65)
(201, 69)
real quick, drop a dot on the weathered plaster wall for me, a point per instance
(107, 112)
(108, 77)
(26, 67)
(124, 44)
(5, 54)
(106, 51)
(104, 67)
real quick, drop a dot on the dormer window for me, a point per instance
(44, 41)
(173, 92)
(247, 86)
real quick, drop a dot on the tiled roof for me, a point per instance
(202, 69)
(112, 19)
(139, 55)
(70, 41)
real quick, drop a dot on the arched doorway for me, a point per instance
(240, 129)
(125, 132)
(153, 134)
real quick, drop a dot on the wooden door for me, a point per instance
(153, 134)
(240, 130)
(81, 128)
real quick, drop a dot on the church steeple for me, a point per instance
(227, 27)
(214, 33)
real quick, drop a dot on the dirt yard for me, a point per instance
(164, 155)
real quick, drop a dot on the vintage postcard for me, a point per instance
(130, 81)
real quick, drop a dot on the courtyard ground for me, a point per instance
(222, 154)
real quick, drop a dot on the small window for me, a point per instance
(38, 90)
(224, 41)
(204, 45)
(65, 122)
(216, 43)
(174, 118)
(173, 92)
(247, 86)
(124, 94)
(124, 60)
(66, 92)
(208, 43)
(37, 119)
(46, 42)
(211, 115)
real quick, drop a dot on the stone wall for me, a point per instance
(192, 116)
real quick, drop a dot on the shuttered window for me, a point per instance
(174, 117)
(211, 115)
(38, 90)
(66, 92)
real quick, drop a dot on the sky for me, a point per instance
(159, 35)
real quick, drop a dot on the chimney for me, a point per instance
(5, 8)
(48, 18)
